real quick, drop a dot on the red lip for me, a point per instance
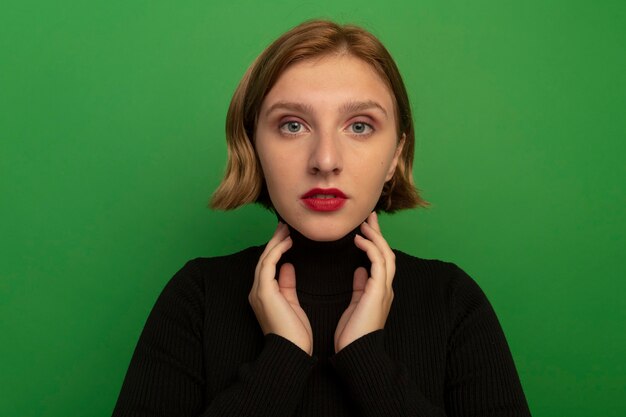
(324, 204)
(328, 191)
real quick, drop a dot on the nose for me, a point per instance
(325, 157)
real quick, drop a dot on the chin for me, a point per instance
(324, 237)
(326, 232)
(321, 227)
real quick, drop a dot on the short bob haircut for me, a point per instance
(243, 182)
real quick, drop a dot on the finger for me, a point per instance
(268, 263)
(358, 283)
(378, 269)
(279, 235)
(358, 287)
(281, 232)
(377, 238)
(372, 220)
(266, 267)
(287, 283)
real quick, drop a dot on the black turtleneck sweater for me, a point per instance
(202, 352)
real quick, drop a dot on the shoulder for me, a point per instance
(214, 275)
(433, 272)
(209, 265)
(437, 278)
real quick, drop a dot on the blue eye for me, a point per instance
(361, 128)
(291, 127)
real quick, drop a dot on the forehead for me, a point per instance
(330, 80)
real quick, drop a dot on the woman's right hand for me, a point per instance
(275, 303)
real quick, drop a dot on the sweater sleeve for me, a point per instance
(165, 376)
(481, 379)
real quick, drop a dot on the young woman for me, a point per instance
(325, 319)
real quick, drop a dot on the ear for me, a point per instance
(396, 158)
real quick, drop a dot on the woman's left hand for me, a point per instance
(371, 298)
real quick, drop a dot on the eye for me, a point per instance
(361, 128)
(292, 127)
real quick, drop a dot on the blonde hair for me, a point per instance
(243, 182)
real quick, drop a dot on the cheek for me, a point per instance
(273, 166)
(383, 166)
(265, 159)
(276, 173)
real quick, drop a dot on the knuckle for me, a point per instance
(264, 263)
(379, 291)
(252, 298)
(263, 295)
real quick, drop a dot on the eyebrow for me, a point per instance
(357, 106)
(288, 105)
(349, 107)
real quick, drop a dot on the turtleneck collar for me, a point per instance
(324, 268)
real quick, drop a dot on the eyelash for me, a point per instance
(367, 125)
(283, 128)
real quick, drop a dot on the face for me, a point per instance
(327, 140)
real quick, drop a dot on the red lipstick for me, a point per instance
(324, 199)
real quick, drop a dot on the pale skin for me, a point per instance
(275, 302)
(342, 133)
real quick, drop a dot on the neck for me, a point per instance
(324, 268)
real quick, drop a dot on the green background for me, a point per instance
(111, 135)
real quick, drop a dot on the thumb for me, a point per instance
(358, 283)
(287, 283)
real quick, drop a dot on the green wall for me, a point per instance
(111, 141)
